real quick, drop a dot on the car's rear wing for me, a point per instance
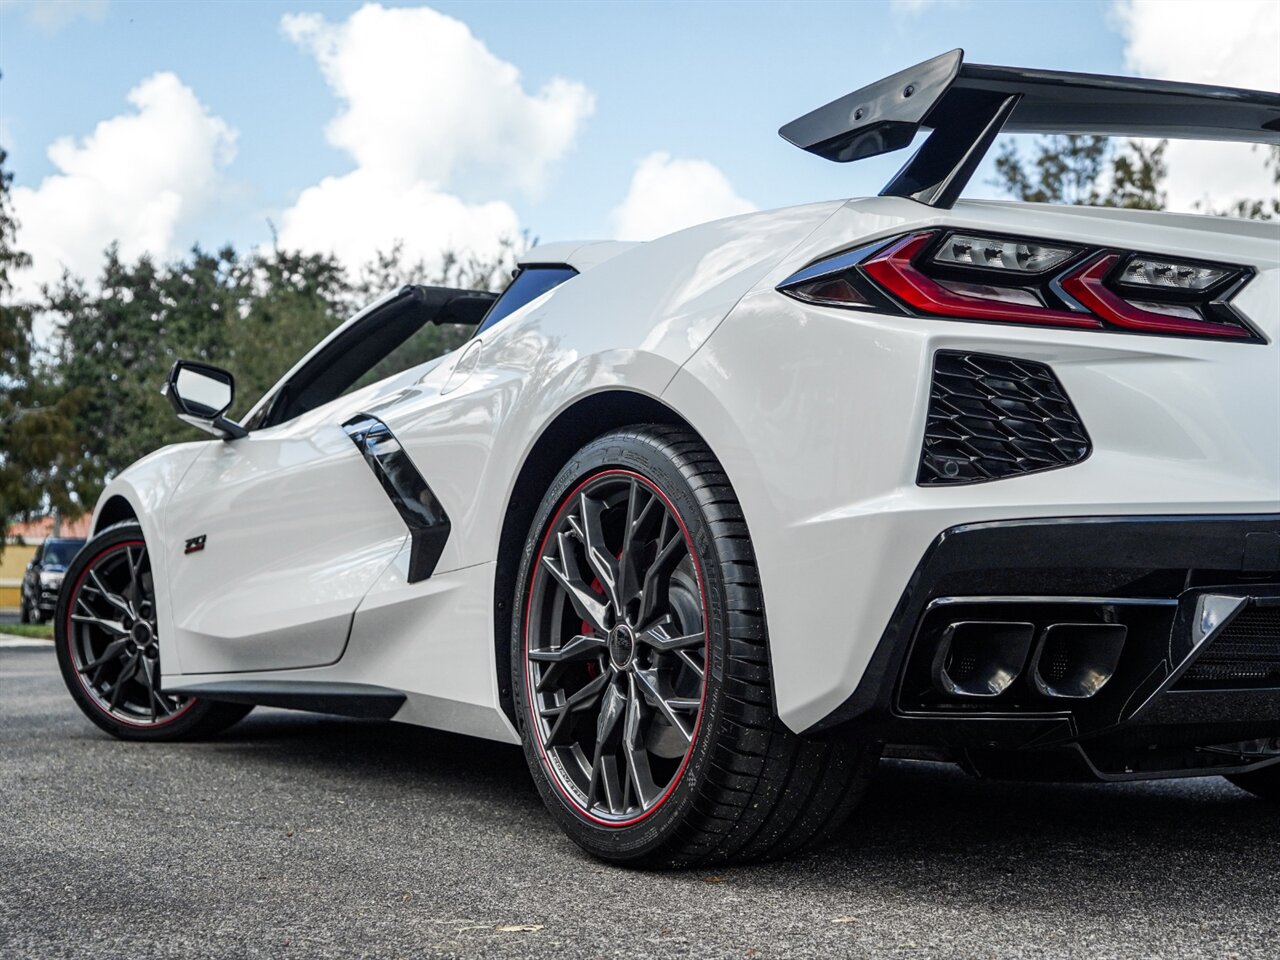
(966, 105)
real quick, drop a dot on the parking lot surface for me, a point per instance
(300, 836)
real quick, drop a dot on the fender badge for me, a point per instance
(195, 544)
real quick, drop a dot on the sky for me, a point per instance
(344, 127)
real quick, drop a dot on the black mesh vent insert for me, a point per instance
(993, 417)
(1245, 654)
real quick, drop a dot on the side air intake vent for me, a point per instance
(993, 417)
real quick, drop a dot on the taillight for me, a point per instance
(967, 276)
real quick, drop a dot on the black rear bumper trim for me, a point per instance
(1057, 557)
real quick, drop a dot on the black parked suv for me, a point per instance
(43, 578)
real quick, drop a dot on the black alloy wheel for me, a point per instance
(616, 647)
(107, 640)
(640, 668)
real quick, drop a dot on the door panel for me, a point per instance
(297, 528)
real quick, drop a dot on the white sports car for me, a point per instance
(711, 523)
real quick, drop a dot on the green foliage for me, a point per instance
(37, 631)
(1085, 170)
(37, 430)
(255, 315)
(1063, 169)
(1136, 176)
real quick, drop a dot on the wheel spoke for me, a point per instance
(669, 552)
(566, 713)
(126, 674)
(692, 664)
(639, 777)
(135, 575)
(628, 561)
(583, 598)
(589, 530)
(581, 647)
(604, 770)
(157, 705)
(114, 650)
(647, 681)
(115, 600)
(113, 627)
(660, 638)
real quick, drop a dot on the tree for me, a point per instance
(37, 442)
(1079, 169)
(255, 315)
(389, 270)
(117, 340)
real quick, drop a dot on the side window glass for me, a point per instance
(529, 284)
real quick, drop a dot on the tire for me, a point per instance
(24, 611)
(746, 788)
(111, 666)
(1264, 783)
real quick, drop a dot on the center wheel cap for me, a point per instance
(622, 646)
(141, 633)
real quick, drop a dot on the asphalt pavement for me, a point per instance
(300, 836)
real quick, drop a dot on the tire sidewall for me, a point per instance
(643, 454)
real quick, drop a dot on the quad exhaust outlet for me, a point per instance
(984, 658)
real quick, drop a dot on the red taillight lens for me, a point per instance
(1088, 286)
(894, 270)
(1013, 280)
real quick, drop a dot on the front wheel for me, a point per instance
(641, 668)
(107, 643)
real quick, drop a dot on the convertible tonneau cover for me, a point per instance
(967, 104)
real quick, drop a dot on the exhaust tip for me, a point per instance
(1075, 660)
(981, 658)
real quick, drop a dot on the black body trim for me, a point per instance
(967, 105)
(342, 699)
(410, 494)
(1152, 557)
(993, 417)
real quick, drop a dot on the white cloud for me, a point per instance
(428, 112)
(360, 214)
(669, 193)
(1231, 44)
(52, 15)
(136, 179)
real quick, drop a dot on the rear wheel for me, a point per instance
(1264, 783)
(108, 648)
(641, 668)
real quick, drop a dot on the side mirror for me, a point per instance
(201, 395)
